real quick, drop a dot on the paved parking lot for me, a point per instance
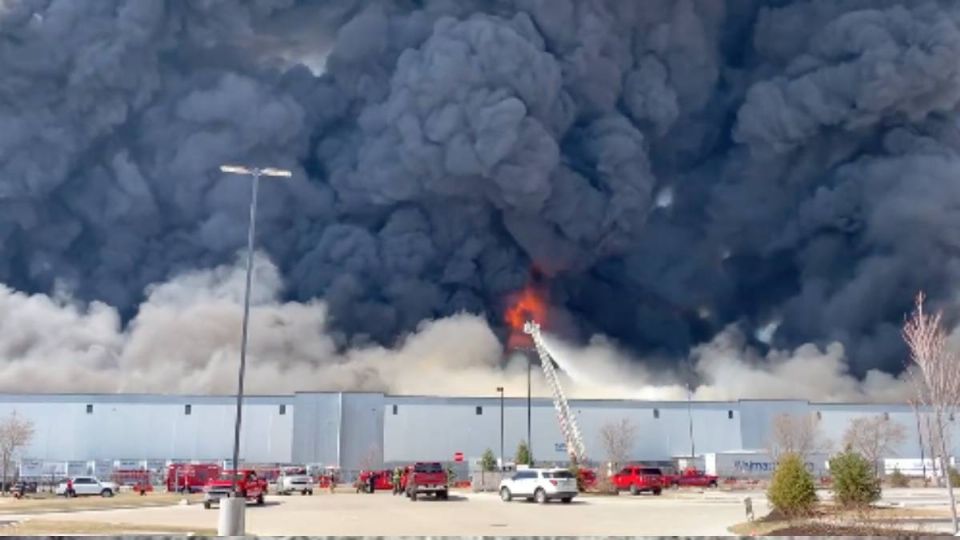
(685, 513)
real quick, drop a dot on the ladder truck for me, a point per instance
(568, 422)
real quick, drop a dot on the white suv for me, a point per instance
(540, 485)
(86, 485)
(293, 480)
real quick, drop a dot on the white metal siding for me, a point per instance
(409, 434)
(123, 430)
(362, 429)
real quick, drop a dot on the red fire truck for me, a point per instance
(137, 480)
(325, 477)
(190, 478)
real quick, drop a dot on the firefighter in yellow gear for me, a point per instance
(397, 474)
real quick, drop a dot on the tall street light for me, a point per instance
(529, 409)
(693, 448)
(500, 389)
(691, 380)
(256, 173)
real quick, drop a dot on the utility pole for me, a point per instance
(923, 459)
(500, 389)
(231, 512)
(529, 409)
(691, 380)
(693, 448)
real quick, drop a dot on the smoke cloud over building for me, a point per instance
(684, 173)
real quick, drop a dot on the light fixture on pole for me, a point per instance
(500, 389)
(230, 522)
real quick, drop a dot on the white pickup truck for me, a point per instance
(294, 480)
(86, 485)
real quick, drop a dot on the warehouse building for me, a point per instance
(353, 430)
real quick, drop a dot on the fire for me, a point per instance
(529, 304)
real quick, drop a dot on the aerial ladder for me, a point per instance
(568, 422)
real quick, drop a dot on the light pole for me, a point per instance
(231, 515)
(690, 374)
(529, 409)
(923, 460)
(500, 389)
(693, 451)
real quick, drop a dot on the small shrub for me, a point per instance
(488, 462)
(792, 491)
(451, 476)
(575, 471)
(954, 477)
(853, 480)
(523, 454)
(898, 479)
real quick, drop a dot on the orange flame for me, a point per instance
(528, 304)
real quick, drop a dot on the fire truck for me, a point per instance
(190, 478)
(137, 480)
(324, 477)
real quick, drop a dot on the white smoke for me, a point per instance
(186, 336)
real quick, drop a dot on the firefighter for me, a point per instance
(396, 480)
(372, 482)
(404, 478)
(359, 483)
(333, 482)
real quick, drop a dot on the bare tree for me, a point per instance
(933, 445)
(939, 387)
(795, 434)
(617, 439)
(15, 434)
(874, 437)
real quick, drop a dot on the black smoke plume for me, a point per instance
(672, 166)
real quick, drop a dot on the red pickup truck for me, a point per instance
(693, 478)
(426, 477)
(250, 486)
(636, 479)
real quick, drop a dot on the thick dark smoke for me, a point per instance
(672, 166)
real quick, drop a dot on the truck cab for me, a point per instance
(249, 486)
(637, 479)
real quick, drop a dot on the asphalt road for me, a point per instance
(474, 514)
(682, 513)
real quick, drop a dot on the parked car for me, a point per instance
(427, 477)
(637, 479)
(294, 480)
(541, 485)
(86, 485)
